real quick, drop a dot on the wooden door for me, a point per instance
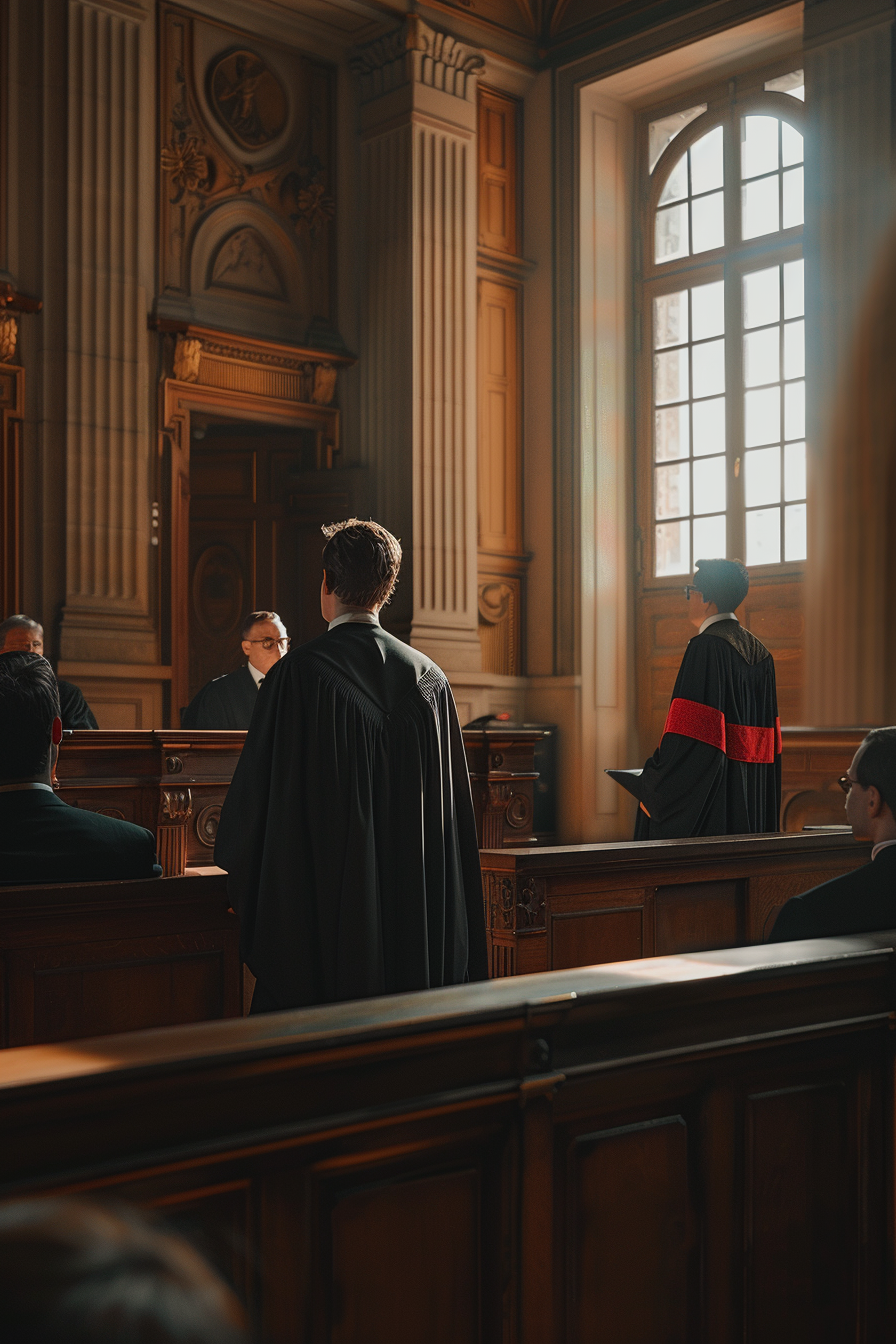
(258, 496)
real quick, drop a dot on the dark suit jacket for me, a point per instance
(226, 702)
(857, 902)
(74, 709)
(42, 839)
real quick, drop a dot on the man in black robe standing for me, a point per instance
(348, 831)
(717, 770)
(229, 701)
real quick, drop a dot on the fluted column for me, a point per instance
(418, 94)
(107, 613)
(849, 204)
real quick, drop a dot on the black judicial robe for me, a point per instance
(348, 831)
(226, 702)
(73, 708)
(717, 770)
(859, 902)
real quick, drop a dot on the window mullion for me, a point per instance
(734, 403)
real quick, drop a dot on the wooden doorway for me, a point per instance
(258, 496)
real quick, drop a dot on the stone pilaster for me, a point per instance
(418, 96)
(849, 204)
(107, 615)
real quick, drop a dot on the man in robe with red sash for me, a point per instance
(717, 770)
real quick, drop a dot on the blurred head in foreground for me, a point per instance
(77, 1273)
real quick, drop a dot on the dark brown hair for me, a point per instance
(877, 764)
(73, 1272)
(29, 702)
(725, 582)
(361, 561)
(254, 618)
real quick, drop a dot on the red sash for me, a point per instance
(756, 746)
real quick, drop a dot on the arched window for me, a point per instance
(722, 323)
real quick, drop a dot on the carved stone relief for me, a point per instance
(248, 98)
(243, 262)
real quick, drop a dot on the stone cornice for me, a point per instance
(417, 53)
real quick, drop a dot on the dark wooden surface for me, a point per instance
(551, 908)
(502, 777)
(813, 760)
(670, 1151)
(172, 781)
(90, 959)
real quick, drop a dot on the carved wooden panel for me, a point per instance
(498, 182)
(697, 916)
(586, 937)
(246, 181)
(500, 462)
(633, 1228)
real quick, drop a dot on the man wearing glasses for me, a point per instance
(717, 770)
(228, 702)
(864, 900)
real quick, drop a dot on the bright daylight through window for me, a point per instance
(724, 291)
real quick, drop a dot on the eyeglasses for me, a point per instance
(846, 782)
(268, 643)
(688, 589)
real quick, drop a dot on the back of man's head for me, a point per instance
(725, 582)
(72, 1272)
(361, 561)
(29, 702)
(877, 764)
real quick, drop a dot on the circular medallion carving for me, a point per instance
(518, 811)
(207, 824)
(497, 760)
(247, 98)
(218, 591)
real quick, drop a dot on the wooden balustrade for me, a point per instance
(667, 1150)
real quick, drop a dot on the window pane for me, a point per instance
(709, 538)
(762, 483)
(672, 233)
(759, 146)
(795, 411)
(673, 491)
(793, 198)
(708, 222)
(670, 320)
(709, 427)
(709, 368)
(763, 417)
(794, 84)
(709, 485)
(672, 548)
(708, 310)
(762, 299)
(762, 362)
(676, 188)
(706, 162)
(795, 471)
(670, 371)
(795, 532)
(794, 350)
(760, 207)
(671, 433)
(791, 145)
(764, 537)
(662, 132)
(793, 289)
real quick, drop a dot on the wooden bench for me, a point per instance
(87, 959)
(664, 1151)
(547, 909)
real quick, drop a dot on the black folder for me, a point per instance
(627, 778)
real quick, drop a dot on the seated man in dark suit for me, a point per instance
(21, 634)
(228, 702)
(42, 839)
(864, 900)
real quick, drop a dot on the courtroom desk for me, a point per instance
(666, 1151)
(812, 760)
(94, 958)
(547, 909)
(173, 782)
(501, 762)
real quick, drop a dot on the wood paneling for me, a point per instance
(500, 457)
(12, 410)
(498, 173)
(88, 959)
(583, 904)
(659, 1154)
(812, 761)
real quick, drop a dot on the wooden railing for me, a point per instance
(547, 909)
(683, 1149)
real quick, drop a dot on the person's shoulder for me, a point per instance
(114, 830)
(830, 908)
